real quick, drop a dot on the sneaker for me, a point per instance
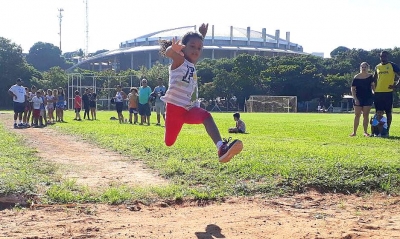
(228, 150)
(21, 125)
(15, 126)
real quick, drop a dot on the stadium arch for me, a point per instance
(219, 43)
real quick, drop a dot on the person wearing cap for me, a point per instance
(18, 93)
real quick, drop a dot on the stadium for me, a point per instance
(220, 42)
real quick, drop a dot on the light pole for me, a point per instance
(60, 16)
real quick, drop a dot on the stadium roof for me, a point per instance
(223, 33)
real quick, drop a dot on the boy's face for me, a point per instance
(380, 113)
(235, 118)
(193, 49)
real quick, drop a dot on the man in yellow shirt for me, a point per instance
(385, 75)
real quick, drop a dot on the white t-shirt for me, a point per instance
(182, 90)
(119, 97)
(37, 101)
(384, 120)
(20, 92)
(160, 91)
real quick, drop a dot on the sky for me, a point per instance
(317, 25)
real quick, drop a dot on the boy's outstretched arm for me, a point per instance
(203, 29)
(175, 53)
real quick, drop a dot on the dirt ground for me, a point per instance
(309, 215)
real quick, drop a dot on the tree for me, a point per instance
(43, 56)
(52, 79)
(12, 66)
(338, 50)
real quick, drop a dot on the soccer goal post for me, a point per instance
(267, 103)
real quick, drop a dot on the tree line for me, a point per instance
(308, 77)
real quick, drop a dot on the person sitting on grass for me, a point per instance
(240, 125)
(379, 126)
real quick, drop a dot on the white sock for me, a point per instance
(219, 144)
(15, 121)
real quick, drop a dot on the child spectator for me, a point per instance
(240, 125)
(50, 106)
(133, 105)
(379, 126)
(60, 104)
(42, 117)
(182, 103)
(77, 106)
(37, 101)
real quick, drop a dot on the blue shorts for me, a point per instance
(144, 110)
(119, 106)
(19, 107)
(60, 105)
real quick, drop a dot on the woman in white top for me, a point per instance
(50, 106)
(119, 98)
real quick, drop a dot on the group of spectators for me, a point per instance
(377, 88)
(35, 107)
(140, 102)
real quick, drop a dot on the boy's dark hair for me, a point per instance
(77, 92)
(236, 115)
(164, 44)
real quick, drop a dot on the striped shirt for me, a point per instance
(183, 88)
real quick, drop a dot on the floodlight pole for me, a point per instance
(60, 16)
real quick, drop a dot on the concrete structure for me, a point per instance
(219, 43)
(319, 54)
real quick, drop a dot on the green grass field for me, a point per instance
(283, 154)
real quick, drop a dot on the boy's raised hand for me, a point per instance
(177, 46)
(203, 29)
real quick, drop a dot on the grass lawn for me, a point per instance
(21, 172)
(283, 154)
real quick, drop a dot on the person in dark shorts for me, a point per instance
(144, 102)
(384, 76)
(120, 96)
(92, 103)
(18, 94)
(361, 89)
(85, 102)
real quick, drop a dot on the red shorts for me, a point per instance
(36, 114)
(176, 116)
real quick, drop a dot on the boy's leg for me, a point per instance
(226, 150)
(173, 123)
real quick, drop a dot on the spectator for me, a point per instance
(362, 89)
(120, 96)
(144, 102)
(159, 91)
(240, 125)
(384, 76)
(18, 94)
(379, 125)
